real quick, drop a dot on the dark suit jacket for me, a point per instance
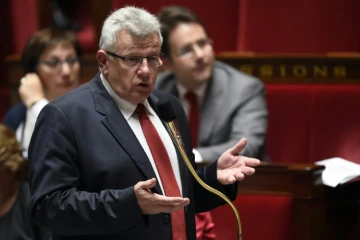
(84, 163)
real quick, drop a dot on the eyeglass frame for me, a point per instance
(138, 57)
(70, 61)
(207, 42)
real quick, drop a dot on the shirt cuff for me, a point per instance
(198, 157)
(38, 106)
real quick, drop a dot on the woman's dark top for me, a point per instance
(17, 224)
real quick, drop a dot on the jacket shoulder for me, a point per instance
(164, 80)
(236, 78)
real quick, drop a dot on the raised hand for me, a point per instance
(233, 167)
(153, 203)
(31, 89)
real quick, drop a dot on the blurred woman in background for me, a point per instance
(51, 63)
(15, 215)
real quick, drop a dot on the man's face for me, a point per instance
(191, 55)
(132, 83)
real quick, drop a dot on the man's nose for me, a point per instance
(144, 69)
(198, 52)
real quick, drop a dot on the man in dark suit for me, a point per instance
(102, 165)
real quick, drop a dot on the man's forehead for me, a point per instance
(186, 33)
(128, 41)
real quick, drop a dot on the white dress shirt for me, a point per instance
(200, 94)
(26, 129)
(128, 111)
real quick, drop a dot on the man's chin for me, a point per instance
(202, 78)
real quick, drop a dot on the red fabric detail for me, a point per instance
(297, 27)
(164, 168)
(262, 217)
(204, 226)
(194, 117)
(309, 123)
(335, 126)
(220, 17)
(86, 35)
(24, 21)
(289, 120)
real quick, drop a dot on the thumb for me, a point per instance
(148, 183)
(239, 146)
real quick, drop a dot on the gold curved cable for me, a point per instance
(176, 137)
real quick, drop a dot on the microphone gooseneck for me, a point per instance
(167, 114)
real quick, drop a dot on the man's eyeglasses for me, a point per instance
(56, 63)
(188, 50)
(131, 61)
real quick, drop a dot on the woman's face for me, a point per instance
(59, 70)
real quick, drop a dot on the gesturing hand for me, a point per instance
(233, 167)
(153, 203)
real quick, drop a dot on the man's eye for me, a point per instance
(132, 59)
(202, 43)
(152, 59)
(185, 50)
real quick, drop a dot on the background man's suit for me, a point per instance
(85, 161)
(234, 107)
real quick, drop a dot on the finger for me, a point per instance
(248, 171)
(23, 80)
(231, 179)
(170, 204)
(239, 146)
(252, 162)
(167, 201)
(239, 176)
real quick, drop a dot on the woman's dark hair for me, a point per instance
(42, 40)
(170, 17)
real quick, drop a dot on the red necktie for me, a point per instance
(165, 170)
(194, 117)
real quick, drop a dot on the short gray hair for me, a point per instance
(139, 22)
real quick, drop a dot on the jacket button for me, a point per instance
(166, 218)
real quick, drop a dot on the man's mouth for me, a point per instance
(143, 85)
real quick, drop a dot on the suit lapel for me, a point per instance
(115, 122)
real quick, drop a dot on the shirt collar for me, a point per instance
(126, 108)
(199, 92)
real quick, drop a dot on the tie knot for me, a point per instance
(191, 97)
(141, 111)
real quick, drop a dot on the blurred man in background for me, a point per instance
(222, 104)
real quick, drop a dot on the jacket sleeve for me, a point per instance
(58, 202)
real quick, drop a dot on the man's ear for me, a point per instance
(102, 60)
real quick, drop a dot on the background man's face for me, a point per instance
(191, 54)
